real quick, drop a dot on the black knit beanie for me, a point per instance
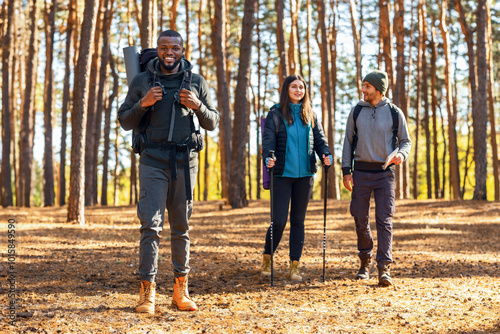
(378, 79)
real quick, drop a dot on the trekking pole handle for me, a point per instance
(271, 156)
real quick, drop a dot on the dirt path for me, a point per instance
(84, 279)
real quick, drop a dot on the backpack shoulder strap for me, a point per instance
(276, 120)
(395, 124)
(355, 114)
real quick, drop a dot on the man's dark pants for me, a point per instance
(382, 184)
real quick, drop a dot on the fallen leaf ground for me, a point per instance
(73, 279)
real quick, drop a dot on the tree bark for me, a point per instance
(66, 101)
(386, 32)
(491, 105)
(237, 191)
(27, 119)
(280, 39)
(173, 14)
(258, 108)
(333, 183)
(357, 46)
(76, 207)
(308, 46)
(480, 114)
(399, 91)
(145, 26)
(188, 47)
(437, 182)
(48, 158)
(328, 117)
(6, 172)
(106, 57)
(425, 98)
(292, 43)
(452, 134)
(418, 106)
(219, 54)
(93, 116)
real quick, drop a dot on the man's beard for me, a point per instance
(170, 67)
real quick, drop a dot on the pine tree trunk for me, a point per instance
(173, 14)
(145, 25)
(328, 119)
(237, 191)
(333, 183)
(452, 134)
(93, 115)
(280, 36)
(258, 109)
(480, 114)
(425, 98)
(386, 32)
(308, 46)
(219, 54)
(187, 44)
(106, 58)
(5, 181)
(107, 130)
(66, 101)
(76, 207)
(405, 166)
(357, 46)
(292, 43)
(48, 158)
(437, 182)
(27, 119)
(399, 91)
(491, 105)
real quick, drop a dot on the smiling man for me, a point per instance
(375, 128)
(160, 107)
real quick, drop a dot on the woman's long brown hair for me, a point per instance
(306, 113)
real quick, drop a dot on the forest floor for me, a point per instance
(83, 279)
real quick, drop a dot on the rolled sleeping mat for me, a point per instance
(131, 56)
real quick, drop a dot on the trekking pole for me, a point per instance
(272, 156)
(324, 222)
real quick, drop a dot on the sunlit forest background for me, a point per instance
(63, 80)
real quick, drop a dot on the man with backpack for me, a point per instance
(376, 137)
(160, 108)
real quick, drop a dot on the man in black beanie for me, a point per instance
(376, 139)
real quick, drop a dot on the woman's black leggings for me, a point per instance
(297, 192)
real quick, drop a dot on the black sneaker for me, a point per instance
(384, 276)
(366, 269)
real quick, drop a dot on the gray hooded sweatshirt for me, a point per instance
(374, 125)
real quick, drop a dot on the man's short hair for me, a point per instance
(170, 33)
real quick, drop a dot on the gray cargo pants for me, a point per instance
(158, 191)
(382, 185)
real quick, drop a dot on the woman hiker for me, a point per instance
(295, 140)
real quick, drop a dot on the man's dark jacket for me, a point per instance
(131, 113)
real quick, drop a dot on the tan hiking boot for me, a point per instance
(181, 299)
(295, 274)
(366, 270)
(384, 275)
(265, 270)
(147, 298)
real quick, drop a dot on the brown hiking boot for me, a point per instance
(367, 268)
(265, 270)
(181, 299)
(295, 274)
(147, 298)
(384, 275)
